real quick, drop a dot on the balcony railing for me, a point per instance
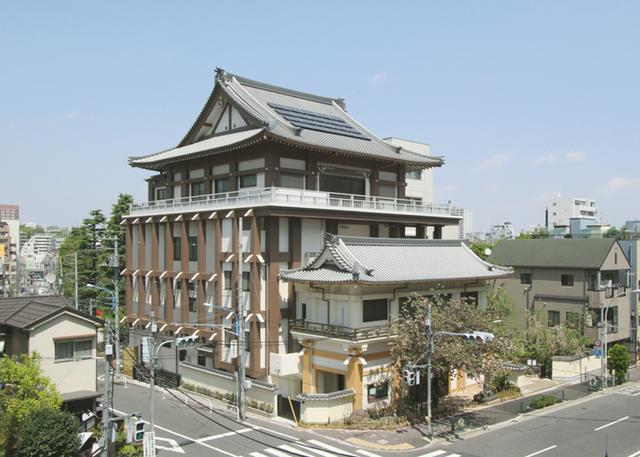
(339, 331)
(297, 198)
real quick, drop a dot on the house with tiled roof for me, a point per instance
(63, 337)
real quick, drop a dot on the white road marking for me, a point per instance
(637, 454)
(183, 436)
(434, 453)
(257, 454)
(276, 452)
(541, 451)
(295, 451)
(175, 447)
(367, 453)
(611, 423)
(257, 427)
(224, 435)
(330, 448)
(309, 448)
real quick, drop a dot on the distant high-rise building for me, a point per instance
(10, 223)
(502, 231)
(561, 209)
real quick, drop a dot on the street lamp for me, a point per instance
(115, 307)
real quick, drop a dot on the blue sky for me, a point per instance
(523, 99)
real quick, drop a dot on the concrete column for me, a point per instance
(308, 384)
(354, 381)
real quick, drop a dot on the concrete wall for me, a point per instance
(200, 376)
(576, 370)
(325, 411)
(68, 375)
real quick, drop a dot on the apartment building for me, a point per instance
(252, 189)
(561, 210)
(569, 281)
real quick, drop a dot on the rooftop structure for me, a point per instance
(562, 209)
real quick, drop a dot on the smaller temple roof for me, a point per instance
(380, 261)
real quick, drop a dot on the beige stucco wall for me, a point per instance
(205, 378)
(68, 375)
(325, 411)
(575, 370)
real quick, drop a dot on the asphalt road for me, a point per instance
(576, 430)
(604, 422)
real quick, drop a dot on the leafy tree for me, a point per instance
(618, 360)
(541, 342)
(612, 233)
(26, 390)
(450, 352)
(479, 248)
(48, 432)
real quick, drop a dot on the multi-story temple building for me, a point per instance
(251, 190)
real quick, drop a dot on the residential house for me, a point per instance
(64, 338)
(568, 281)
(258, 180)
(347, 299)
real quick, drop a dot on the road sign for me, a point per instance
(149, 444)
(597, 343)
(597, 352)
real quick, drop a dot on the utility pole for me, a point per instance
(429, 356)
(106, 399)
(116, 265)
(75, 277)
(240, 316)
(153, 357)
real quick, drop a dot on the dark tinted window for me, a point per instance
(374, 310)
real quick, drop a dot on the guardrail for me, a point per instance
(281, 196)
(339, 331)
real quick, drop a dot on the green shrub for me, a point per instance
(543, 402)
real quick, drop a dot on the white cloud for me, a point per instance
(576, 156)
(544, 159)
(379, 78)
(492, 162)
(619, 183)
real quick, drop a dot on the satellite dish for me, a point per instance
(487, 252)
(50, 278)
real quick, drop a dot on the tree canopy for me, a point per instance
(47, 432)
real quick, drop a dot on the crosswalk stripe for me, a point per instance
(453, 455)
(276, 452)
(257, 454)
(330, 448)
(434, 453)
(367, 453)
(319, 451)
(295, 451)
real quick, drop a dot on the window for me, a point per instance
(66, 350)
(615, 258)
(342, 184)
(566, 280)
(221, 185)
(161, 193)
(553, 318)
(193, 299)
(469, 297)
(202, 360)
(177, 248)
(612, 318)
(247, 340)
(374, 310)
(414, 174)
(193, 248)
(572, 320)
(246, 223)
(248, 181)
(246, 281)
(227, 280)
(525, 278)
(197, 188)
(292, 181)
(377, 392)
(387, 190)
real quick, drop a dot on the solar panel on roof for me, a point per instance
(319, 122)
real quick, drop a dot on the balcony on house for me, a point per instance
(293, 198)
(339, 332)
